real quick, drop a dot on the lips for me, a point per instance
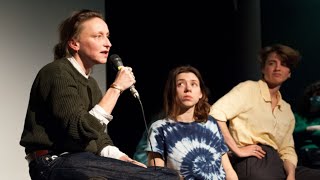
(277, 74)
(105, 53)
(187, 98)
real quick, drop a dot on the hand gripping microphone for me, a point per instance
(117, 63)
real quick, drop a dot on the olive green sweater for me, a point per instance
(58, 117)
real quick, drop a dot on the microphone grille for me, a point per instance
(116, 60)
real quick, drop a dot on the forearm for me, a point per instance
(155, 159)
(123, 81)
(109, 100)
(290, 169)
(230, 172)
(228, 138)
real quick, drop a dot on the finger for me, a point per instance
(138, 163)
(141, 164)
(129, 69)
(260, 150)
(255, 153)
(258, 154)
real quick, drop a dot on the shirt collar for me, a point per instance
(78, 67)
(266, 93)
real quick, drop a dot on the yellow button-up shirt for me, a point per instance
(251, 118)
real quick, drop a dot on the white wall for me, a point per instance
(28, 33)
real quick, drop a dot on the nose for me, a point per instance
(187, 88)
(278, 66)
(107, 42)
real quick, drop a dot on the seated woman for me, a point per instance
(188, 139)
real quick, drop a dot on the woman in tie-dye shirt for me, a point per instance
(188, 139)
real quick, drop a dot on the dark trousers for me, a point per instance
(269, 168)
(85, 165)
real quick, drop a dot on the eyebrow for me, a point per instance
(272, 60)
(192, 80)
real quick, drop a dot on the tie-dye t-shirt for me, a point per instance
(194, 149)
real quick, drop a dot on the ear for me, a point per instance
(73, 44)
(289, 75)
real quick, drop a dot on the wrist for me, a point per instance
(115, 86)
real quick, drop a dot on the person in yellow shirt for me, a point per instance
(260, 123)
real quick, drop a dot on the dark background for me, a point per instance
(221, 38)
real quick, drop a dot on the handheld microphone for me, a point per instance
(117, 63)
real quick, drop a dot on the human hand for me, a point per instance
(252, 150)
(128, 159)
(313, 128)
(125, 78)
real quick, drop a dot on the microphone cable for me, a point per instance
(117, 64)
(147, 130)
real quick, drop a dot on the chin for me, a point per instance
(101, 61)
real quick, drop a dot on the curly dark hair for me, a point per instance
(289, 56)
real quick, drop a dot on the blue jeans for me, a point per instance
(86, 165)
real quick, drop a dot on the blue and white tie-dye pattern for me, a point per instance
(194, 149)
